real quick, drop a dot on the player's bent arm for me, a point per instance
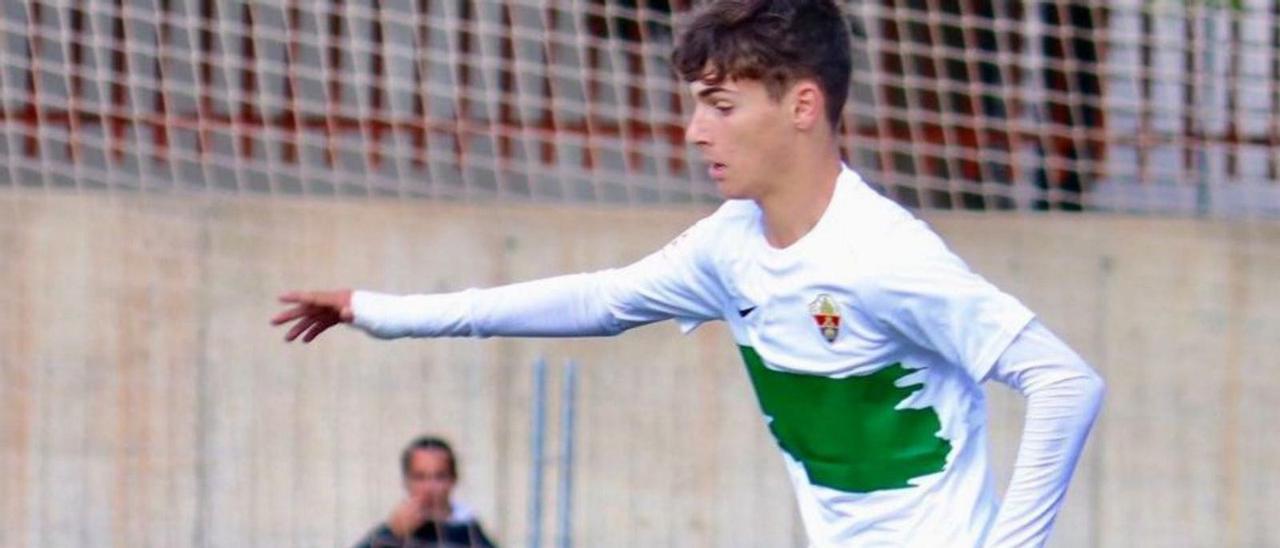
(1063, 396)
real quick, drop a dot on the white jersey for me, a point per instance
(865, 340)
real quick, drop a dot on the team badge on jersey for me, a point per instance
(827, 315)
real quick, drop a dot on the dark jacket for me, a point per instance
(433, 534)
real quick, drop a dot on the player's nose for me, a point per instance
(695, 132)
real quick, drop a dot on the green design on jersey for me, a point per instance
(847, 432)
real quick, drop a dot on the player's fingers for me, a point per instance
(323, 298)
(314, 298)
(300, 327)
(318, 328)
(290, 314)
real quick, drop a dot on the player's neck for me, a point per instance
(800, 196)
(795, 205)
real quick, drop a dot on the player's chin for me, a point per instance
(730, 191)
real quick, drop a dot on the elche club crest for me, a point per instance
(827, 315)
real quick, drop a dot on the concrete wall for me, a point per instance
(147, 402)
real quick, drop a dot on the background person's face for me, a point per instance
(429, 476)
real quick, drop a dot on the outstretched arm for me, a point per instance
(573, 305)
(563, 306)
(1063, 397)
(671, 283)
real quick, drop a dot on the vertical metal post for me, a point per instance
(537, 433)
(564, 497)
(1032, 115)
(1208, 17)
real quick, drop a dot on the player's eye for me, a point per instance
(724, 108)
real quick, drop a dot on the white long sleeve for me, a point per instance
(672, 283)
(1063, 397)
(573, 305)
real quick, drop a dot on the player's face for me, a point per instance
(743, 135)
(429, 476)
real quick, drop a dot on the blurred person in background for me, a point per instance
(428, 515)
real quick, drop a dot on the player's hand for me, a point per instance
(407, 517)
(315, 311)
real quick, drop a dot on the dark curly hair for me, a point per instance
(776, 42)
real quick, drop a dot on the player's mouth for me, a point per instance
(716, 170)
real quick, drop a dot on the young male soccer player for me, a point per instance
(865, 338)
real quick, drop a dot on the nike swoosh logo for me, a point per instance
(743, 313)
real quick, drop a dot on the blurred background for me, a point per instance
(169, 166)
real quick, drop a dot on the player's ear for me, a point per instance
(806, 104)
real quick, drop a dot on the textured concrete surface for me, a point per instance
(147, 402)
